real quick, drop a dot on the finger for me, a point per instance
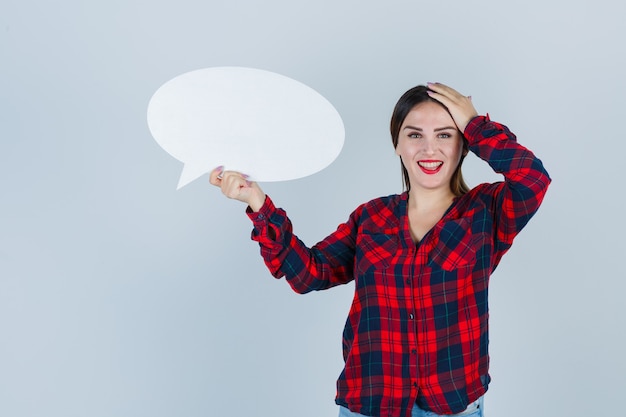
(230, 175)
(445, 90)
(233, 183)
(216, 175)
(448, 102)
(460, 107)
(447, 95)
(230, 185)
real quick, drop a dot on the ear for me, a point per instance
(396, 149)
(465, 148)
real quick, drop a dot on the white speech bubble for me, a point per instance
(257, 122)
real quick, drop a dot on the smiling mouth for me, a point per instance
(430, 167)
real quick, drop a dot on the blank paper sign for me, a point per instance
(260, 123)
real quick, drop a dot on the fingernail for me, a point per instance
(245, 176)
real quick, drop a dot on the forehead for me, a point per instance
(428, 114)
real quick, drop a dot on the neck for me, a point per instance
(427, 200)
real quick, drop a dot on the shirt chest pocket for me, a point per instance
(375, 250)
(454, 245)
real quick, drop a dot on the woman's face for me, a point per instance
(430, 146)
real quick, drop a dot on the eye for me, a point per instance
(444, 136)
(415, 135)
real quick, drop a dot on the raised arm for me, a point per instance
(526, 180)
(328, 263)
(516, 199)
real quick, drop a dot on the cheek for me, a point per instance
(401, 148)
(459, 154)
(458, 151)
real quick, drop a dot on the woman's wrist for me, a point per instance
(256, 203)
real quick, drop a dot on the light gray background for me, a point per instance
(120, 296)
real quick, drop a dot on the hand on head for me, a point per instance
(460, 107)
(235, 185)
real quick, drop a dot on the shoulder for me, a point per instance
(382, 203)
(381, 210)
(485, 189)
(482, 195)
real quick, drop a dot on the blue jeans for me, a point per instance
(475, 409)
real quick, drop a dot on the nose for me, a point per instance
(429, 146)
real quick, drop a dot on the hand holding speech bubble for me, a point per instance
(260, 123)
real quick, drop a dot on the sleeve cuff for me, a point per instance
(475, 126)
(264, 212)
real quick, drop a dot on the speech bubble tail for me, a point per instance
(190, 173)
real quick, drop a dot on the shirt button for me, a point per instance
(408, 281)
(261, 217)
(411, 316)
(414, 351)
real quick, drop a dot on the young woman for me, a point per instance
(415, 341)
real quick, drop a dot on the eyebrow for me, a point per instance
(439, 129)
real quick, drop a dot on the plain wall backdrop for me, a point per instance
(122, 297)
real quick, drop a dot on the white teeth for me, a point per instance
(430, 165)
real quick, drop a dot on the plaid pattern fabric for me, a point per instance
(417, 330)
